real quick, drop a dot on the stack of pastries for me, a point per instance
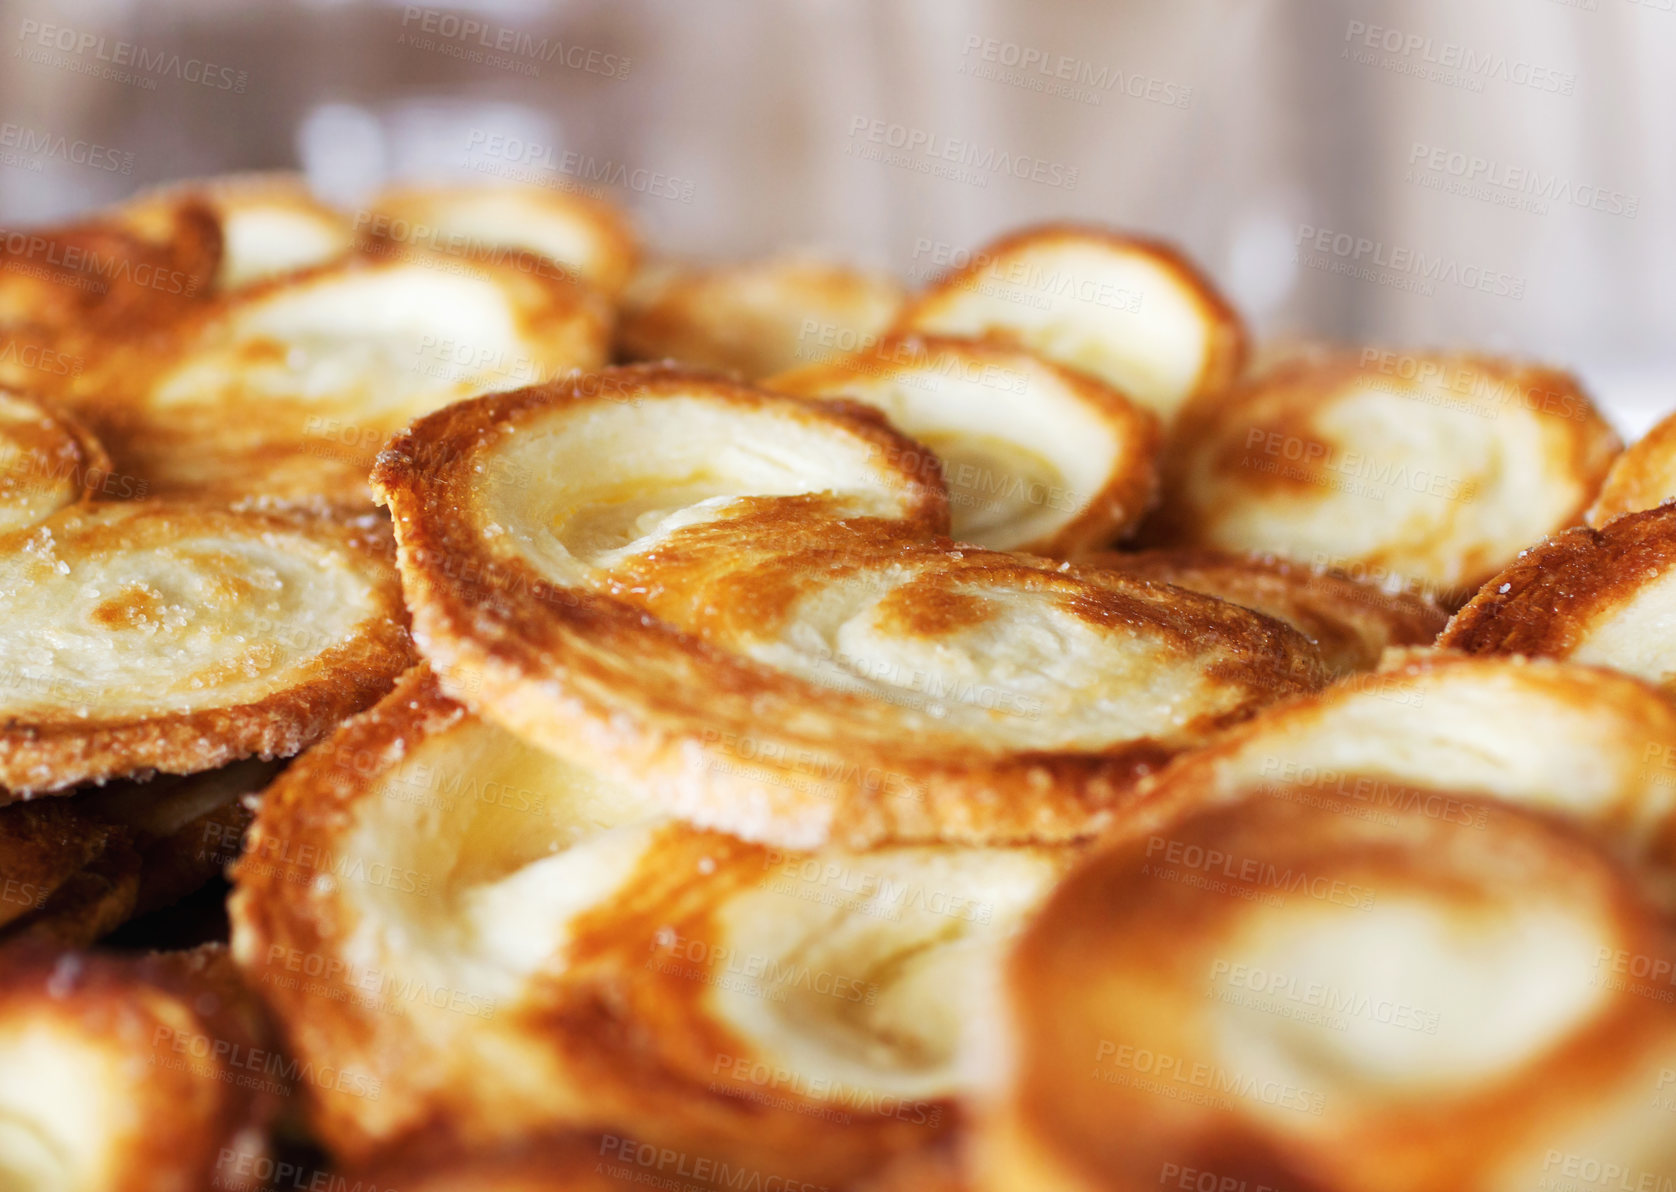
(749, 726)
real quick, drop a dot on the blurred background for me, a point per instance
(1492, 173)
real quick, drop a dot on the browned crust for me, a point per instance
(1349, 621)
(1643, 477)
(1229, 345)
(280, 914)
(1119, 925)
(291, 462)
(192, 1039)
(417, 204)
(67, 444)
(675, 320)
(1131, 489)
(578, 1162)
(1546, 600)
(345, 678)
(1289, 393)
(624, 1019)
(645, 701)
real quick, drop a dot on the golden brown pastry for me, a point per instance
(132, 1074)
(1643, 477)
(506, 944)
(1602, 597)
(759, 624)
(1351, 622)
(754, 318)
(268, 224)
(1280, 992)
(1441, 476)
(288, 390)
(1036, 457)
(1577, 741)
(531, 228)
(1133, 312)
(142, 636)
(48, 460)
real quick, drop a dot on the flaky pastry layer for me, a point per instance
(1134, 312)
(145, 636)
(1037, 458)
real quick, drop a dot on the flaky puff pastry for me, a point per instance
(1578, 741)
(268, 224)
(132, 1074)
(1036, 457)
(1643, 477)
(1603, 597)
(1350, 621)
(1134, 312)
(153, 635)
(528, 227)
(68, 291)
(753, 318)
(508, 944)
(1279, 991)
(288, 389)
(759, 623)
(1439, 473)
(47, 460)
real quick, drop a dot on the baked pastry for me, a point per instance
(1596, 596)
(1133, 312)
(141, 636)
(1439, 474)
(268, 224)
(1036, 457)
(1573, 740)
(807, 663)
(531, 228)
(288, 390)
(509, 944)
(1350, 622)
(1643, 477)
(47, 460)
(132, 1073)
(753, 318)
(1284, 993)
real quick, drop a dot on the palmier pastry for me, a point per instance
(269, 224)
(528, 227)
(1279, 993)
(1602, 597)
(142, 636)
(805, 673)
(132, 1074)
(1036, 457)
(1591, 744)
(289, 389)
(754, 318)
(1439, 473)
(1643, 477)
(1134, 312)
(508, 944)
(47, 460)
(1350, 621)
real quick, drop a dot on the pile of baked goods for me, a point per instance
(996, 738)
